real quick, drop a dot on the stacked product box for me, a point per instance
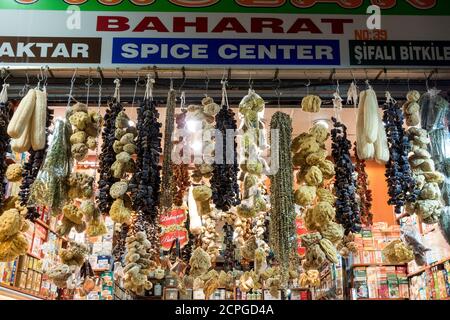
(380, 283)
(432, 284)
(371, 242)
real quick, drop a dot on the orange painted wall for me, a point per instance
(382, 212)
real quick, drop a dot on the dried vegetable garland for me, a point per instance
(145, 183)
(401, 184)
(363, 191)
(347, 211)
(107, 157)
(180, 181)
(282, 217)
(50, 187)
(5, 115)
(225, 189)
(167, 173)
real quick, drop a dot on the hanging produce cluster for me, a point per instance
(401, 184)
(363, 191)
(371, 142)
(5, 115)
(282, 215)
(347, 210)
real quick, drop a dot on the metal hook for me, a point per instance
(74, 76)
(3, 72)
(183, 72)
(100, 73)
(207, 83)
(119, 76)
(89, 81)
(250, 80)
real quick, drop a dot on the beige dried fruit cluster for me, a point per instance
(86, 127)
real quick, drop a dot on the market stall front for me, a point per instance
(191, 150)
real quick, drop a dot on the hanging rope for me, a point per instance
(135, 90)
(4, 93)
(72, 83)
(98, 121)
(183, 101)
(224, 83)
(117, 90)
(149, 88)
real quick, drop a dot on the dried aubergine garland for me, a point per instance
(30, 171)
(119, 248)
(401, 184)
(282, 217)
(347, 211)
(5, 116)
(228, 253)
(363, 191)
(107, 157)
(224, 184)
(145, 183)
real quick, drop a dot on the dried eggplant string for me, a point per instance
(107, 155)
(347, 211)
(145, 183)
(282, 216)
(5, 116)
(167, 173)
(401, 184)
(225, 189)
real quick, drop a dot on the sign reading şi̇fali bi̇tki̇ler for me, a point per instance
(223, 33)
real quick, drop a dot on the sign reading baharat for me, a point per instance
(50, 50)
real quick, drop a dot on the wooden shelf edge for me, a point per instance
(423, 269)
(356, 265)
(22, 291)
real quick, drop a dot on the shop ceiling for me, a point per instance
(284, 85)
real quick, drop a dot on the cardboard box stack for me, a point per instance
(372, 241)
(380, 283)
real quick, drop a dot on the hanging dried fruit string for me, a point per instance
(167, 173)
(225, 189)
(5, 115)
(145, 183)
(363, 191)
(107, 155)
(347, 211)
(401, 184)
(282, 217)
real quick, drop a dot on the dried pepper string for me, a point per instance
(363, 191)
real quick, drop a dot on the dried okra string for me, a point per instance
(282, 216)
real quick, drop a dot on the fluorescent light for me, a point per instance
(131, 123)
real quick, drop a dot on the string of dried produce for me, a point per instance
(282, 223)
(30, 170)
(363, 191)
(120, 237)
(145, 183)
(107, 157)
(347, 211)
(167, 173)
(228, 252)
(5, 116)
(401, 184)
(180, 181)
(224, 185)
(50, 186)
